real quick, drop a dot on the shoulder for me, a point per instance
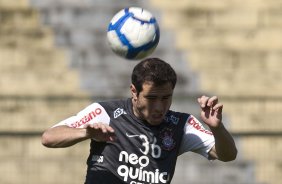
(175, 117)
(115, 107)
(113, 104)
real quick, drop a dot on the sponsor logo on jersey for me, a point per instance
(166, 135)
(118, 112)
(133, 169)
(88, 117)
(197, 125)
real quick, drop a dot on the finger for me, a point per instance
(218, 107)
(110, 129)
(203, 101)
(111, 136)
(90, 126)
(106, 128)
(110, 133)
(103, 128)
(86, 125)
(95, 126)
(212, 101)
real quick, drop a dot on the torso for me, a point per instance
(142, 153)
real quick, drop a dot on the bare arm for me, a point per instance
(225, 148)
(64, 136)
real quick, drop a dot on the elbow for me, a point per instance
(228, 159)
(230, 156)
(46, 140)
(233, 156)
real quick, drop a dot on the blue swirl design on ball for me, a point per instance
(134, 51)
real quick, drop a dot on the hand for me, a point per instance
(100, 132)
(211, 111)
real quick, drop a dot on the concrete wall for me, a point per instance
(53, 60)
(36, 85)
(235, 48)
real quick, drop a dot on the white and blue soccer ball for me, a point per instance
(133, 33)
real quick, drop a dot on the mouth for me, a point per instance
(157, 116)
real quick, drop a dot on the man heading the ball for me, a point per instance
(138, 140)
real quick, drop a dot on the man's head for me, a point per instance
(153, 70)
(153, 82)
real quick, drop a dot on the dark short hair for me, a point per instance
(153, 70)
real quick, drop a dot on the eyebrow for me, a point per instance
(169, 95)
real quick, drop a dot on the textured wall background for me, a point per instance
(54, 61)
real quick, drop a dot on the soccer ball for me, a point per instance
(133, 33)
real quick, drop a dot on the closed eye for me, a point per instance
(151, 97)
(166, 97)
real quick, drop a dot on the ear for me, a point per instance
(133, 91)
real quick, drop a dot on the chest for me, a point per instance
(157, 142)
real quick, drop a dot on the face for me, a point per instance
(152, 103)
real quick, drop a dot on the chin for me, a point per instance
(155, 122)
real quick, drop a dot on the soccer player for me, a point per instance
(138, 140)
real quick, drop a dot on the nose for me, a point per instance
(158, 106)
